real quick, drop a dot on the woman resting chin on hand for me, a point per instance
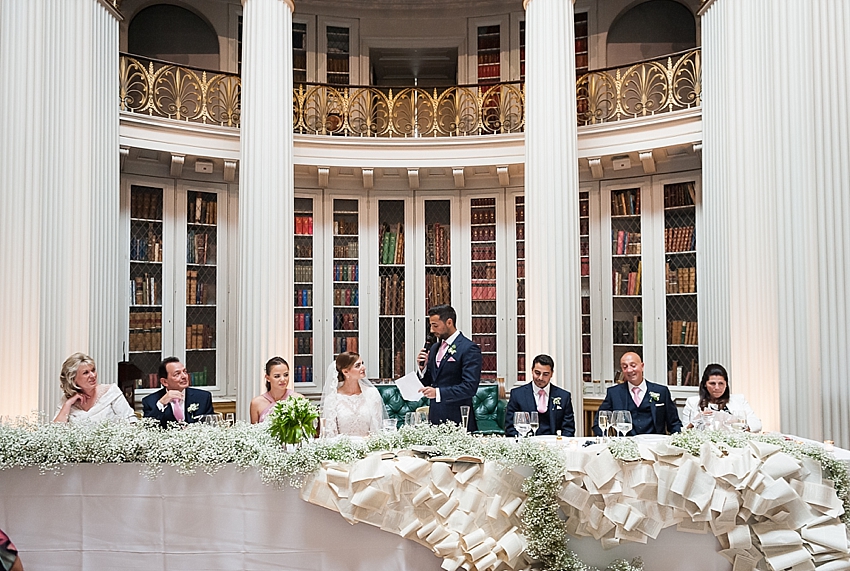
(85, 399)
(714, 395)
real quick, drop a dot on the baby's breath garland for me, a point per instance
(51, 446)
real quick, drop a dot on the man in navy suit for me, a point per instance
(176, 401)
(450, 370)
(653, 410)
(553, 405)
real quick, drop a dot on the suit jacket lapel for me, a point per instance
(652, 407)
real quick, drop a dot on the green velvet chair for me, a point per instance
(396, 406)
(488, 404)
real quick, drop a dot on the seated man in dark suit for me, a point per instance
(176, 401)
(653, 410)
(553, 404)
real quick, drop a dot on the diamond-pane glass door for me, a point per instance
(302, 368)
(391, 320)
(346, 275)
(626, 273)
(483, 287)
(146, 275)
(519, 206)
(681, 284)
(201, 283)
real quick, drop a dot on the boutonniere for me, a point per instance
(452, 350)
(654, 397)
(557, 402)
(193, 407)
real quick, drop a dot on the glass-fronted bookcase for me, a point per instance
(176, 268)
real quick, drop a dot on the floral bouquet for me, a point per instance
(293, 420)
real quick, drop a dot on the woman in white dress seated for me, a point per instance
(714, 395)
(350, 404)
(85, 400)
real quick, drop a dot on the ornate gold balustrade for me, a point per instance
(187, 94)
(641, 89)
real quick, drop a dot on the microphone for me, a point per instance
(430, 339)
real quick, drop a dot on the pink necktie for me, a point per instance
(636, 395)
(441, 352)
(541, 401)
(177, 408)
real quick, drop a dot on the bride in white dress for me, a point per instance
(351, 404)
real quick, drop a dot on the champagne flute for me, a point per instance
(522, 423)
(464, 416)
(604, 421)
(534, 422)
(624, 423)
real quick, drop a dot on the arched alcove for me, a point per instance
(650, 29)
(173, 33)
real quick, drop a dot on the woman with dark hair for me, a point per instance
(714, 395)
(350, 403)
(278, 388)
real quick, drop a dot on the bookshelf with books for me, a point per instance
(346, 275)
(680, 262)
(626, 260)
(584, 260)
(303, 316)
(201, 286)
(146, 281)
(519, 212)
(338, 55)
(489, 53)
(483, 287)
(438, 258)
(392, 278)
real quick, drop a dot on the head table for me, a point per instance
(113, 516)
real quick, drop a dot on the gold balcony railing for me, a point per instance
(641, 89)
(179, 92)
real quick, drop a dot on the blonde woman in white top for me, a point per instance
(85, 399)
(714, 395)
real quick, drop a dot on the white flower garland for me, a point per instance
(51, 446)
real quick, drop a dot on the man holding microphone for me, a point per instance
(450, 369)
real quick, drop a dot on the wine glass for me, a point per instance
(464, 416)
(739, 421)
(534, 421)
(522, 423)
(604, 421)
(623, 422)
(390, 425)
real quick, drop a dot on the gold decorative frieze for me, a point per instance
(177, 92)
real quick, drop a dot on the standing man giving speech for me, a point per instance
(450, 370)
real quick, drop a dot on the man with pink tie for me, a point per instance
(554, 405)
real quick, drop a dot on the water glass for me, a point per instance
(421, 417)
(390, 425)
(409, 418)
(230, 419)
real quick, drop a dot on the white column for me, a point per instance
(553, 282)
(60, 289)
(266, 195)
(775, 181)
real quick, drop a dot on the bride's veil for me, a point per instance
(332, 384)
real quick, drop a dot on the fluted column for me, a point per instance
(266, 195)
(60, 287)
(775, 153)
(553, 282)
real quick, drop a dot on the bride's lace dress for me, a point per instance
(354, 415)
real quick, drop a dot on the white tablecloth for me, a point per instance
(111, 517)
